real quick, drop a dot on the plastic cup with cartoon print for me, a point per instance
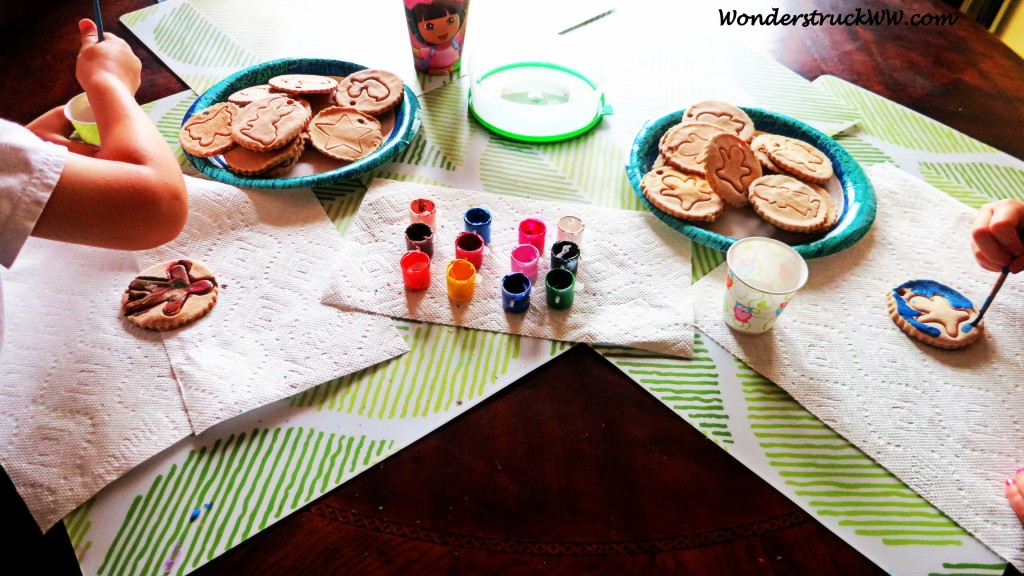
(79, 113)
(762, 277)
(437, 32)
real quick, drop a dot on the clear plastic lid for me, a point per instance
(538, 93)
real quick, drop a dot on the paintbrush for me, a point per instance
(991, 296)
(99, 20)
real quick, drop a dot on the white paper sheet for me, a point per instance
(633, 283)
(268, 337)
(85, 394)
(945, 422)
(88, 395)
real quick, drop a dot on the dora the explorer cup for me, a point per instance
(437, 30)
(762, 276)
(79, 113)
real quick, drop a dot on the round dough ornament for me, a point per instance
(169, 295)
(934, 313)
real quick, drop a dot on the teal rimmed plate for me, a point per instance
(324, 171)
(849, 184)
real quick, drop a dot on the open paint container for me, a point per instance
(535, 94)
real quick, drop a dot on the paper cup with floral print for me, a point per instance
(762, 276)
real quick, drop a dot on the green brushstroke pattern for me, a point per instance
(445, 132)
(970, 569)
(689, 387)
(985, 181)
(593, 163)
(704, 260)
(894, 123)
(445, 367)
(786, 92)
(835, 478)
(78, 524)
(862, 151)
(169, 125)
(524, 170)
(225, 492)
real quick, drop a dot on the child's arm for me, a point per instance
(130, 194)
(996, 235)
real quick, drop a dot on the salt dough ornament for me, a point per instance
(789, 204)
(169, 295)
(345, 133)
(726, 116)
(730, 167)
(798, 158)
(681, 194)
(247, 96)
(208, 132)
(372, 92)
(270, 123)
(683, 145)
(934, 313)
(300, 84)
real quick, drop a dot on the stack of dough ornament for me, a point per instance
(263, 130)
(267, 133)
(714, 158)
(682, 182)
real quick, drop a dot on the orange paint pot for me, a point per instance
(461, 276)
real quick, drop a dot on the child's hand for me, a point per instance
(1014, 495)
(110, 60)
(996, 235)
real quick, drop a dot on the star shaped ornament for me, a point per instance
(345, 134)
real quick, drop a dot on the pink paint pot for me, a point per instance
(525, 259)
(532, 231)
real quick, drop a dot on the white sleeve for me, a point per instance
(29, 170)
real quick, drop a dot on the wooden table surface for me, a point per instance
(574, 469)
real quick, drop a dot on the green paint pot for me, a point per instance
(561, 286)
(79, 113)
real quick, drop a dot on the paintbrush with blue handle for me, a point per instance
(99, 20)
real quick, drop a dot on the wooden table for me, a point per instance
(574, 469)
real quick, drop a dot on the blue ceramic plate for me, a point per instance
(850, 183)
(326, 171)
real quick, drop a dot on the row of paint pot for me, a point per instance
(516, 287)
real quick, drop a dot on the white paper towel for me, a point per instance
(86, 395)
(947, 423)
(268, 337)
(634, 270)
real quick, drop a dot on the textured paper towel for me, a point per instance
(268, 337)
(634, 270)
(947, 423)
(85, 395)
